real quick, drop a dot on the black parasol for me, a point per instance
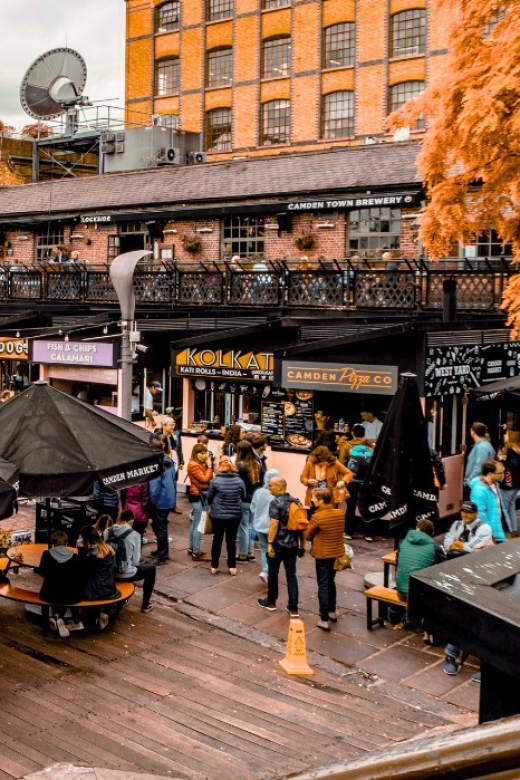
(399, 487)
(8, 486)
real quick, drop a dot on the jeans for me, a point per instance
(288, 558)
(262, 538)
(221, 528)
(145, 572)
(195, 536)
(509, 503)
(326, 576)
(244, 542)
(160, 529)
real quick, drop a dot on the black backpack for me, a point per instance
(117, 542)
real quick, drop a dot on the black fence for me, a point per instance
(335, 284)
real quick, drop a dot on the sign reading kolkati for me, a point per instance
(217, 363)
(339, 377)
(79, 353)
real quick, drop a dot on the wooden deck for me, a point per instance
(162, 693)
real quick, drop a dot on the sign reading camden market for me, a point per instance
(220, 364)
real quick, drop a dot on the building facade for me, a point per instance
(264, 77)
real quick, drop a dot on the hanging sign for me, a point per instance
(232, 364)
(14, 349)
(72, 353)
(339, 377)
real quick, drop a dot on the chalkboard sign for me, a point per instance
(299, 422)
(272, 421)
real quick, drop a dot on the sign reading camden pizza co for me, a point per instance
(15, 349)
(233, 364)
(339, 377)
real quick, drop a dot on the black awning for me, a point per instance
(491, 390)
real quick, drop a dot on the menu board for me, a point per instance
(299, 420)
(273, 421)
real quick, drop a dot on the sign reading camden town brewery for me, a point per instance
(339, 377)
(231, 364)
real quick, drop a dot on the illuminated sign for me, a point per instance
(17, 349)
(233, 364)
(339, 377)
(72, 353)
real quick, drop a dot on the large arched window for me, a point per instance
(218, 130)
(339, 45)
(167, 76)
(401, 93)
(275, 122)
(276, 57)
(167, 16)
(337, 115)
(408, 32)
(219, 67)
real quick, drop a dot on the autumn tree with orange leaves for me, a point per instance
(470, 159)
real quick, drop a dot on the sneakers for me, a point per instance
(333, 617)
(348, 537)
(233, 572)
(214, 570)
(263, 576)
(148, 608)
(63, 631)
(190, 551)
(159, 561)
(476, 677)
(144, 540)
(368, 539)
(200, 556)
(52, 624)
(251, 557)
(450, 665)
(102, 621)
(293, 613)
(324, 625)
(170, 540)
(265, 605)
(177, 510)
(242, 559)
(75, 625)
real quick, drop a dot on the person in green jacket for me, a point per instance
(417, 551)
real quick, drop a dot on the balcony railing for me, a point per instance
(335, 284)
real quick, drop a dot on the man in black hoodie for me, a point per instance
(63, 581)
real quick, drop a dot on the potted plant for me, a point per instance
(304, 240)
(190, 243)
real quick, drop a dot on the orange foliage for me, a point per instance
(470, 160)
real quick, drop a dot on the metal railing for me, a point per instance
(334, 284)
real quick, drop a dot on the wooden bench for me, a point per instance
(8, 591)
(6, 563)
(382, 596)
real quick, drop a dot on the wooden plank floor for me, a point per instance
(164, 694)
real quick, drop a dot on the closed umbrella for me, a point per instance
(399, 487)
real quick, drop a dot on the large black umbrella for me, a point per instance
(61, 445)
(492, 390)
(399, 487)
(8, 485)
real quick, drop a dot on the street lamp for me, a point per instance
(122, 277)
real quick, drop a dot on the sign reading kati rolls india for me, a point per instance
(219, 364)
(338, 377)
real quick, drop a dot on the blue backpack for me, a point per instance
(359, 461)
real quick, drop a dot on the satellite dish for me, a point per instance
(54, 82)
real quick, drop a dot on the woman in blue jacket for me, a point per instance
(163, 494)
(225, 496)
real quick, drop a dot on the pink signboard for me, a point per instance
(72, 353)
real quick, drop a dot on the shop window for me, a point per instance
(276, 57)
(244, 236)
(339, 45)
(46, 240)
(275, 122)
(167, 76)
(218, 130)
(374, 231)
(167, 17)
(218, 9)
(219, 67)
(401, 93)
(408, 33)
(337, 115)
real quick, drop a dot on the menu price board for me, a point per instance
(273, 421)
(299, 422)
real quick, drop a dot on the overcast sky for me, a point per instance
(94, 28)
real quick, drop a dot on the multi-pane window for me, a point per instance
(167, 76)
(408, 33)
(337, 115)
(219, 67)
(401, 93)
(168, 120)
(339, 45)
(496, 16)
(46, 240)
(167, 16)
(218, 9)
(218, 129)
(276, 57)
(274, 3)
(275, 122)
(243, 236)
(373, 231)
(489, 245)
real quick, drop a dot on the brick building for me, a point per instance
(267, 77)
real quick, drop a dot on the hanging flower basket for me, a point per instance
(304, 241)
(191, 244)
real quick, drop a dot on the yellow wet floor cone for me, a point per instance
(295, 661)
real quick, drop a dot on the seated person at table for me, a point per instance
(468, 534)
(63, 580)
(127, 545)
(99, 561)
(416, 551)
